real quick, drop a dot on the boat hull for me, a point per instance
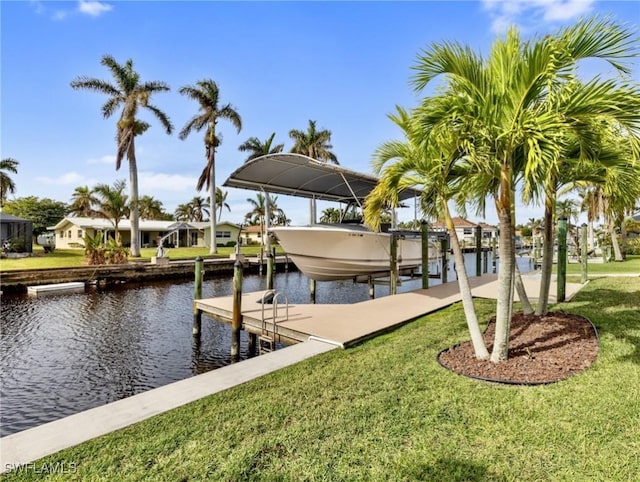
(327, 253)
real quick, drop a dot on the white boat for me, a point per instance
(326, 252)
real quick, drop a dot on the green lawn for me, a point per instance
(629, 266)
(386, 410)
(69, 258)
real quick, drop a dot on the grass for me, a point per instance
(386, 410)
(71, 258)
(629, 266)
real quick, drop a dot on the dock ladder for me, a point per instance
(267, 340)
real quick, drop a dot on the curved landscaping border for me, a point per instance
(562, 348)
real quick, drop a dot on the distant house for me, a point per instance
(70, 232)
(466, 230)
(16, 234)
(251, 235)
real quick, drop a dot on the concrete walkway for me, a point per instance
(32, 444)
(330, 327)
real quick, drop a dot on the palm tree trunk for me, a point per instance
(522, 294)
(617, 253)
(547, 260)
(212, 197)
(133, 204)
(477, 340)
(505, 285)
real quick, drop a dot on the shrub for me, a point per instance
(633, 246)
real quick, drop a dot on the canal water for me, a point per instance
(62, 354)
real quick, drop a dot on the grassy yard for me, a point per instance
(629, 266)
(386, 410)
(69, 258)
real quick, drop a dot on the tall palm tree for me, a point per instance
(313, 143)
(433, 163)
(7, 186)
(113, 203)
(129, 94)
(256, 148)
(82, 201)
(221, 201)
(207, 94)
(150, 208)
(514, 115)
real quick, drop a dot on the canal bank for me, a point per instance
(18, 281)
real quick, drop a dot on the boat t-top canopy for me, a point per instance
(299, 175)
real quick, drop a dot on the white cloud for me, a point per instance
(152, 182)
(92, 8)
(67, 179)
(108, 159)
(529, 14)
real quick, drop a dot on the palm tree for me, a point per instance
(199, 209)
(7, 186)
(313, 143)
(433, 163)
(257, 148)
(515, 114)
(112, 203)
(330, 215)
(207, 94)
(150, 208)
(130, 94)
(184, 212)
(82, 202)
(221, 201)
(258, 213)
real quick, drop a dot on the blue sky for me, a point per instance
(344, 64)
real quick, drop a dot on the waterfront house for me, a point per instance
(70, 232)
(466, 231)
(16, 234)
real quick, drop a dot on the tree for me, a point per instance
(207, 94)
(82, 202)
(514, 116)
(7, 186)
(256, 148)
(258, 213)
(221, 201)
(200, 209)
(431, 162)
(129, 94)
(184, 212)
(330, 215)
(113, 203)
(42, 212)
(150, 208)
(313, 143)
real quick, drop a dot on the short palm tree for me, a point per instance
(256, 148)
(129, 94)
(313, 143)
(258, 213)
(514, 114)
(150, 208)
(113, 204)
(429, 160)
(184, 212)
(7, 185)
(207, 94)
(199, 209)
(83, 200)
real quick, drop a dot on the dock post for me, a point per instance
(286, 263)
(253, 344)
(270, 266)
(197, 294)
(494, 242)
(312, 290)
(425, 254)
(261, 261)
(372, 288)
(485, 261)
(562, 258)
(583, 252)
(393, 275)
(444, 249)
(236, 320)
(478, 251)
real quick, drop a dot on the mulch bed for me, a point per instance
(542, 349)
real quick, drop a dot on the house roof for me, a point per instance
(125, 224)
(10, 218)
(458, 222)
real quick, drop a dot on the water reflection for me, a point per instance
(63, 354)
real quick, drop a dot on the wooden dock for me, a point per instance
(348, 324)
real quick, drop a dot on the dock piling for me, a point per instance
(444, 249)
(583, 252)
(312, 291)
(562, 258)
(197, 294)
(425, 254)
(270, 268)
(236, 320)
(478, 250)
(393, 275)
